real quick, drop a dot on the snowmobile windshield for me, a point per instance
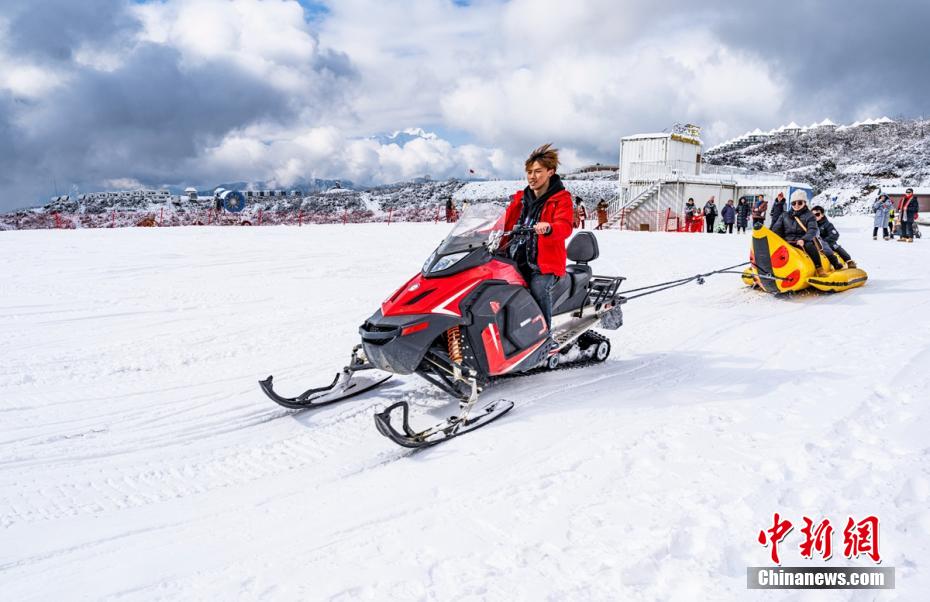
(475, 226)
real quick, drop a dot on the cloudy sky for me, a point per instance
(103, 94)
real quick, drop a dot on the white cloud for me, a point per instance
(324, 152)
(123, 184)
(23, 78)
(269, 39)
(26, 80)
(514, 75)
(100, 59)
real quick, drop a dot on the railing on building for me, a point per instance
(653, 171)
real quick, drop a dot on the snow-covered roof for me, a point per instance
(646, 136)
(884, 120)
(190, 189)
(792, 126)
(827, 123)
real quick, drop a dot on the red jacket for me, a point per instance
(550, 255)
(905, 210)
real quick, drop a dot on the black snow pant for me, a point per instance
(812, 251)
(831, 251)
(907, 229)
(875, 232)
(729, 228)
(710, 222)
(541, 288)
(840, 251)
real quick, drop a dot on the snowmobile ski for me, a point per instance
(346, 384)
(450, 428)
(341, 388)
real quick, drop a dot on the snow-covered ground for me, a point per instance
(141, 461)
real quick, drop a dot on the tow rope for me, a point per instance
(655, 288)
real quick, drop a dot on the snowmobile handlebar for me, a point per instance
(494, 241)
(520, 231)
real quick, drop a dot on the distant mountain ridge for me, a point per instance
(861, 157)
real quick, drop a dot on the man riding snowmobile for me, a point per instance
(546, 207)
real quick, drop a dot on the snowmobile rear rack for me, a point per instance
(603, 289)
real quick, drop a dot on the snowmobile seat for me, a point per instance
(571, 290)
(582, 249)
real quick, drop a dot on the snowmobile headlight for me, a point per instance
(428, 261)
(447, 261)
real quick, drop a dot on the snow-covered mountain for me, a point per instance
(859, 156)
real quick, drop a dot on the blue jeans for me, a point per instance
(541, 289)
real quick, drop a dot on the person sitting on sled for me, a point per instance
(799, 227)
(545, 206)
(829, 236)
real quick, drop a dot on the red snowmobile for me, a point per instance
(468, 318)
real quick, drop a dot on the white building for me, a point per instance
(659, 172)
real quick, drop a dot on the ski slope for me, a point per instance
(140, 460)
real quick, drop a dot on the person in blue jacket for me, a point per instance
(728, 213)
(881, 208)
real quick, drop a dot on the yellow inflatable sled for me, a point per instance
(780, 267)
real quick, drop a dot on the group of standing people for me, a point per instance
(731, 214)
(738, 214)
(887, 216)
